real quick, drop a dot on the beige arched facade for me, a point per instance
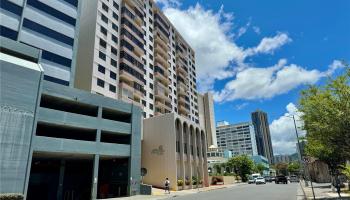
(174, 147)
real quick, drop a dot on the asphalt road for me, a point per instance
(270, 191)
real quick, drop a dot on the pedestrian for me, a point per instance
(167, 185)
(338, 185)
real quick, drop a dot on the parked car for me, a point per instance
(294, 178)
(251, 180)
(273, 178)
(281, 179)
(260, 180)
(268, 179)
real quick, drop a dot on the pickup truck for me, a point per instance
(281, 179)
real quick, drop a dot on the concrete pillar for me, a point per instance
(95, 177)
(182, 165)
(60, 180)
(135, 151)
(190, 155)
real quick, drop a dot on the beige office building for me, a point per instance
(174, 147)
(129, 50)
(207, 118)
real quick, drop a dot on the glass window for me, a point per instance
(113, 75)
(102, 56)
(114, 51)
(103, 30)
(113, 62)
(100, 83)
(104, 18)
(103, 43)
(112, 88)
(115, 5)
(101, 69)
(115, 16)
(105, 7)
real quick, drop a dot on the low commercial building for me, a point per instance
(174, 147)
(57, 142)
(264, 162)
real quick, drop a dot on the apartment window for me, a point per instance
(150, 12)
(103, 30)
(101, 69)
(150, 29)
(144, 114)
(114, 27)
(104, 18)
(151, 66)
(151, 76)
(150, 47)
(151, 38)
(150, 95)
(113, 63)
(113, 75)
(150, 57)
(103, 43)
(151, 85)
(115, 5)
(105, 7)
(150, 21)
(151, 106)
(100, 83)
(115, 39)
(115, 16)
(144, 103)
(102, 56)
(112, 88)
(114, 51)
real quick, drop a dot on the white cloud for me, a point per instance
(270, 44)
(261, 83)
(211, 35)
(283, 132)
(336, 64)
(241, 106)
(257, 30)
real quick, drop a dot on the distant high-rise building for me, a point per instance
(238, 138)
(262, 134)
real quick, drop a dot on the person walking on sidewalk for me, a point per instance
(338, 185)
(167, 185)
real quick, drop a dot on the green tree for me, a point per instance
(217, 168)
(282, 168)
(346, 172)
(259, 168)
(326, 116)
(243, 165)
(293, 167)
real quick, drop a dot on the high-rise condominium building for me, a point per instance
(238, 138)
(262, 133)
(51, 26)
(129, 50)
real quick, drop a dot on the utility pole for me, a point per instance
(301, 158)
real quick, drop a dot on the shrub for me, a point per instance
(180, 182)
(201, 182)
(187, 182)
(194, 180)
(11, 196)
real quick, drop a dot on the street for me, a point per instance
(270, 191)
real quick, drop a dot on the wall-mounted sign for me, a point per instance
(158, 151)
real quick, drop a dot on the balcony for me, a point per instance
(139, 52)
(162, 86)
(162, 78)
(181, 69)
(162, 107)
(183, 110)
(162, 61)
(127, 77)
(185, 79)
(163, 43)
(181, 91)
(136, 93)
(160, 50)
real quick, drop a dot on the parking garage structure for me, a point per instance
(84, 146)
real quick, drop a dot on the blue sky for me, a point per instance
(255, 54)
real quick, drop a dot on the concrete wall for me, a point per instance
(158, 150)
(19, 89)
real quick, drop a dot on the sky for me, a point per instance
(254, 54)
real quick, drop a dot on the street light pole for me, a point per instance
(301, 157)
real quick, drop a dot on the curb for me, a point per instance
(302, 188)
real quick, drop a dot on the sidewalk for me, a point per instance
(158, 194)
(322, 191)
